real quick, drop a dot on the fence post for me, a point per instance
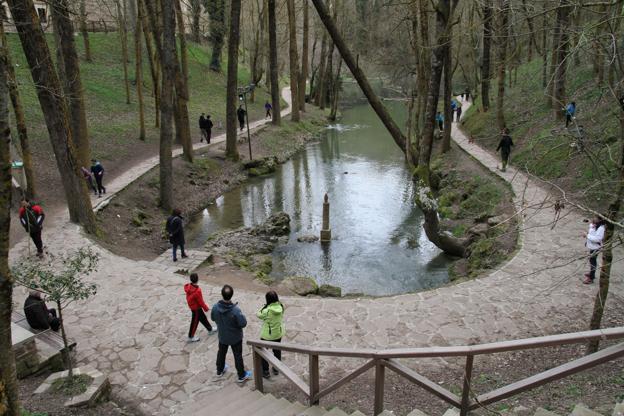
(314, 379)
(380, 370)
(465, 401)
(257, 363)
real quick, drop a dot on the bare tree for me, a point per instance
(138, 58)
(216, 13)
(122, 30)
(502, 36)
(275, 93)
(181, 116)
(294, 60)
(84, 31)
(231, 150)
(485, 62)
(305, 52)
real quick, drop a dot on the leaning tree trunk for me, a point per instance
(168, 64)
(304, 56)
(123, 37)
(9, 398)
(294, 61)
(181, 115)
(231, 150)
(20, 119)
(275, 90)
(54, 107)
(138, 58)
(84, 31)
(71, 80)
(216, 13)
(487, 47)
(502, 35)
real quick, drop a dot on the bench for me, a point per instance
(51, 338)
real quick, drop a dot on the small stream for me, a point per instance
(378, 246)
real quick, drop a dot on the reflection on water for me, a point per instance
(378, 244)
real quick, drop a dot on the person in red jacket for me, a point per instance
(31, 217)
(198, 308)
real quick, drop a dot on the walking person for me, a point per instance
(208, 129)
(268, 107)
(467, 94)
(230, 321)
(202, 127)
(196, 304)
(570, 110)
(594, 237)
(440, 119)
(505, 148)
(241, 113)
(31, 217)
(98, 173)
(175, 229)
(459, 112)
(88, 177)
(272, 317)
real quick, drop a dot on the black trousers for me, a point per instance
(593, 263)
(237, 350)
(100, 187)
(208, 135)
(440, 125)
(36, 238)
(276, 353)
(198, 316)
(568, 119)
(241, 123)
(268, 113)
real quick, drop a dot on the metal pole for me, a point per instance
(247, 119)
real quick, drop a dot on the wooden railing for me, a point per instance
(382, 359)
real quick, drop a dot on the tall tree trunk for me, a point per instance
(9, 398)
(544, 51)
(216, 13)
(328, 77)
(54, 107)
(84, 31)
(321, 71)
(231, 150)
(138, 58)
(71, 80)
(502, 35)
(275, 90)
(196, 9)
(313, 69)
(168, 57)
(448, 92)
(123, 37)
(20, 119)
(559, 79)
(487, 46)
(336, 94)
(294, 60)
(554, 55)
(304, 56)
(153, 60)
(182, 122)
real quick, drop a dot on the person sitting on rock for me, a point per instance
(272, 317)
(38, 315)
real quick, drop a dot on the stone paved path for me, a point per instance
(186, 265)
(135, 328)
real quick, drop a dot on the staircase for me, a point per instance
(236, 400)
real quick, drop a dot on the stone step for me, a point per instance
(357, 413)
(451, 412)
(313, 411)
(250, 407)
(336, 412)
(387, 413)
(543, 412)
(292, 409)
(244, 400)
(417, 412)
(270, 410)
(582, 410)
(220, 399)
(618, 410)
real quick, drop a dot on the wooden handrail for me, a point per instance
(382, 359)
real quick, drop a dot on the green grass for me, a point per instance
(110, 119)
(72, 386)
(542, 144)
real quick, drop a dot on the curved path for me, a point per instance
(135, 328)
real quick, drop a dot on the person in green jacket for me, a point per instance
(272, 315)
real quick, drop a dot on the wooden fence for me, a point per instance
(381, 360)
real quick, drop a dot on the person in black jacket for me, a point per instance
(175, 229)
(505, 147)
(31, 217)
(38, 315)
(98, 173)
(241, 113)
(202, 126)
(208, 128)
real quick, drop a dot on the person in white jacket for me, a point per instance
(594, 237)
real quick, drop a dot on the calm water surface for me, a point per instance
(378, 246)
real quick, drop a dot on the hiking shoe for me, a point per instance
(213, 330)
(266, 374)
(193, 339)
(225, 368)
(275, 372)
(175, 259)
(588, 281)
(184, 256)
(245, 377)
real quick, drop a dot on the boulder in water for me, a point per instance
(301, 285)
(277, 224)
(308, 238)
(329, 291)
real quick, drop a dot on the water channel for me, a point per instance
(378, 246)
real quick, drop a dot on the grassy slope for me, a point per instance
(542, 145)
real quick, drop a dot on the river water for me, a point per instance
(378, 245)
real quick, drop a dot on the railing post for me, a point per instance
(465, 402)
(380, 370)
(314, 379)
(257, 363)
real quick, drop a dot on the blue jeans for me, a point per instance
(175, 249)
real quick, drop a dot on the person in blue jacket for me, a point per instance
(570, 110)
(440, 119)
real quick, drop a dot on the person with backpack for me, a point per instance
(31, 217)
(98, 173)
(505, 148)
(231, 321)
(196, 304)
(570, 110)
(175, 230)
(272, 317)
(594, 237)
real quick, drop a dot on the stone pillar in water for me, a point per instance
(325, 231)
